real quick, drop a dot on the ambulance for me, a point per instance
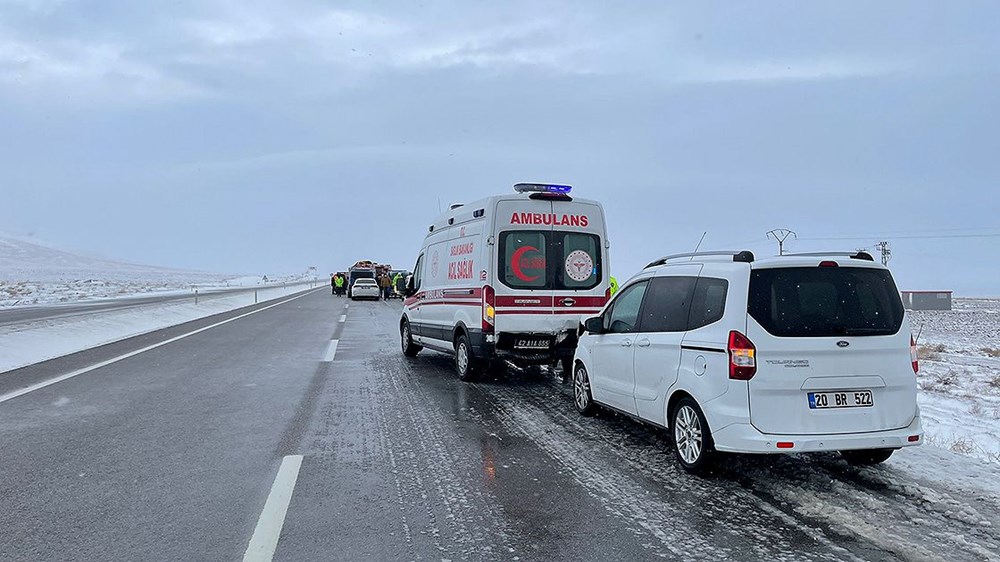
(508, 279)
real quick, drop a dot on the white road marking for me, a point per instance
(347, 305)
(331, 351)
(265, 536)
(71, 374)
(343, 318)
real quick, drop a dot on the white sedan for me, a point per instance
(365, 289)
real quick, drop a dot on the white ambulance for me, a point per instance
(508, 278)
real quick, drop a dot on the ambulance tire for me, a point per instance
(465, 363)
(410, 349)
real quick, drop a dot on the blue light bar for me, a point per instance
(542, 188)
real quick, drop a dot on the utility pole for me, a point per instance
(781, 234)
(883, 247)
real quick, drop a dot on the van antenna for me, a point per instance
(702, 239)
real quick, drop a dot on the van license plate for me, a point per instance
(841, 399)
(531, 344)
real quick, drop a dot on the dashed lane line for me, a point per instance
(264, 541)
(78, 372)
(331, 351)
(343, 318)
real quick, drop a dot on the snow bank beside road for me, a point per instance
(34, 341)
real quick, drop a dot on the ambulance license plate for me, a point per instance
(841, 399)
(526, 343)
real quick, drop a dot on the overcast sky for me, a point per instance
(244, 136)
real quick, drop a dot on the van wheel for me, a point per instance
(465, 363)
(692, 439)
(866, 457)
(410, 349)
(582, 397)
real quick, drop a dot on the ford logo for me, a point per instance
(843, 343)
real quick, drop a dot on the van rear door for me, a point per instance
(523, 297)
(580, 270)
(832, 350)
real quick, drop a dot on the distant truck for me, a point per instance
(361, 270)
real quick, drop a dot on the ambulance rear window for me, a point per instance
(555, 260)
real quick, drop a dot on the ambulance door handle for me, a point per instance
(567, 302)
(644, 342)
(626, 343)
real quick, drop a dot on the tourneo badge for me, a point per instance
(579, 266)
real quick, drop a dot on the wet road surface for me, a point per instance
(174, 454)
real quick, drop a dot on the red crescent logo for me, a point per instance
(515, 263)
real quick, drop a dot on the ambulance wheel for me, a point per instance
(466, 365)
(410, 349)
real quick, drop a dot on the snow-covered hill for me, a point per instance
(34, 273)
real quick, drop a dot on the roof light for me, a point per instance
(542, 188)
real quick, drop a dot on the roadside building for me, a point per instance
(927, 300)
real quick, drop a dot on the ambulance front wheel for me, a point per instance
(410, 349)
(465, 363)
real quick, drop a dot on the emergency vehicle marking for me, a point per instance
(462, 268)
(579, 266)
(518, 263)
(550, 219)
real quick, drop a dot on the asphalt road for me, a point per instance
(175, 452)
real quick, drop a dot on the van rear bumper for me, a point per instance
(744, 438)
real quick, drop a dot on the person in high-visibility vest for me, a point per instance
(614, 285)
(397, 284)
(338, 282)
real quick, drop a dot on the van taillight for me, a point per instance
(742, 357)
(913, 355)
(489, 312)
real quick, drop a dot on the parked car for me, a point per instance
(795, 353)
(365, 288)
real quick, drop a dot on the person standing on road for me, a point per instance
(384, 284)
(338, 284)
(397, 284)
(333, 284)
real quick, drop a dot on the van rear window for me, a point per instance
(825, 301)
(545, 259)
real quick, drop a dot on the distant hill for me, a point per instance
(23, 260)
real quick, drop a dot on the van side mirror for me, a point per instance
(594, 325)
(408, 290)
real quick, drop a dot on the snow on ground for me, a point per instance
(35, 274)
(960, 376)
(26, 343)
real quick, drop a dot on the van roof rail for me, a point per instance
(857, 255)
(737, 255)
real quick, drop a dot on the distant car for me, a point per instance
(365, 288)
(790, 354)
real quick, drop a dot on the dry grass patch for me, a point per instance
(991, 351)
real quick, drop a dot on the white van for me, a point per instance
(795, 353)
(508, 278)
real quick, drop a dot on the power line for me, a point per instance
(913, 237)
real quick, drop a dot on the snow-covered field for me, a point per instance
(32, 273)
(960, 376)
